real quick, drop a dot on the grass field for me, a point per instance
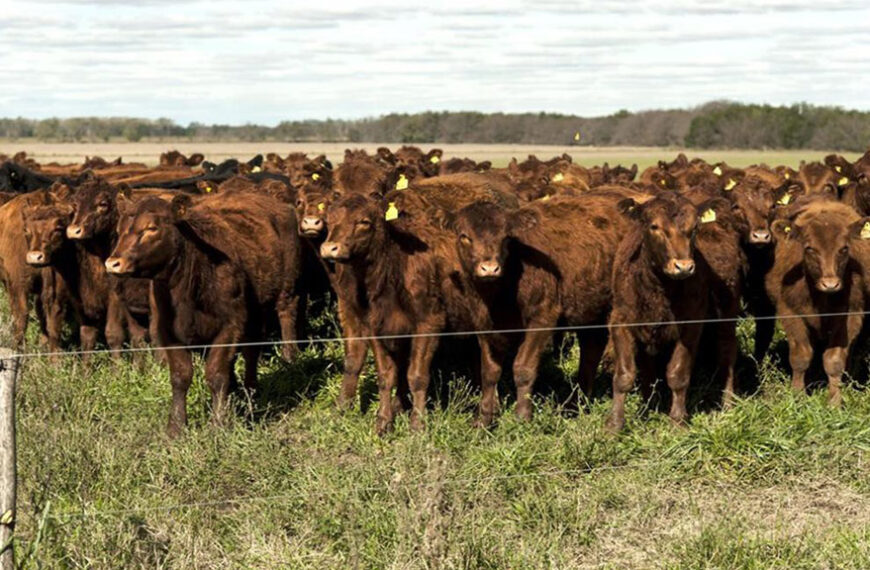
(149, 152)
(779, 481)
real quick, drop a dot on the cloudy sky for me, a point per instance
(207, 61)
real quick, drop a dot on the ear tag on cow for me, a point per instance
(787, 229)
(708, 216)
(786, 175)
(717, 171)
(321, 206)
(256, 169)
(208, 188)
(865, 231)
(663, 182)
(731, 184)
(558, 177)
(838, 168)
(842, 181)
(315, 176)
(392, 212)
(786, 198)
(435, 159)
(402, 182)
(545, 197)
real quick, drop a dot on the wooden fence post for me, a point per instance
(8, 377)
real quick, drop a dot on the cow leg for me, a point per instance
(288, 308)
(625, 372)
(180, 375)
(115, 325)
(88, 334)
(800, 352)
(679, 372)
(490, 372)
(138, 339)
(419, 369)
(18, 307)
(387, 373)
(53, 310)
(526, 369)
(727, 354)
(764, 329)
(355, 352)
(218, 365)
(834, 362)
(592, 345)
(252, 357)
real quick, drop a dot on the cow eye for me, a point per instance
(364, 224)
(298, 203)
(151, 228)
(103, 206)
(809, 249)
(654, 227)
(844, 250)
(830, 188)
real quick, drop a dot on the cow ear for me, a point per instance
(861, 229)
(125, 190)
(181, 205)
(521, 221)
(60, 191)
(628, 207)
(784, 229)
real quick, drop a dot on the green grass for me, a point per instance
(780, 481)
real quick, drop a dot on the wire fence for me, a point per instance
(441, 334)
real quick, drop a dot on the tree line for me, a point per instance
(719, 124)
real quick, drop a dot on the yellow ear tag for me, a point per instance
(708, 216)
(321, 206)
(392, 212)
(208, 188)
(731, 184)
(577, 136)
(786, 175)
(315, 176)
(402, 182)
(435, 159)
(786, 198)
(838, 168)
(558, 177)
(545, 197)
(865, 231)
(256, 169)
(787, 229)
(717, 171)
(842, 181)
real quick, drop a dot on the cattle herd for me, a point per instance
(411, 245)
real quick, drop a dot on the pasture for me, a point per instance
(778, 481)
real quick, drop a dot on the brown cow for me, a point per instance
(219, 269)
(659, 296)
(819, 288)
(175, 158)
(535, 267)
(22, 282)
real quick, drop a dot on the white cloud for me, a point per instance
(221, 61)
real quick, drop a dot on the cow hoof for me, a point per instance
(417, 424)
(383, 426)
(482, 422)
(174, 431)
(614, 425)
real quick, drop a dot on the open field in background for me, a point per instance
(149, 152)
(780, 481)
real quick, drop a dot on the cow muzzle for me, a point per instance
(829, 284)
(36, 258)
(759, 237)
(487, 270)
(311, 225)
(680, 268)
(75, 232)
(333, 250)
(118, 266)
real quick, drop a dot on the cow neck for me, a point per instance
(100, 245)
(379, 269)
(186, 270)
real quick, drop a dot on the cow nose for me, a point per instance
(760, 236)
(830, 284)
(488, 269)
(35, 257)
(684, 266)
(329, 250)
(114, 265)
(74, 232)
(312, 224)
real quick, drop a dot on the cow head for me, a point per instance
(356, 224)
(94, 204)
(483, 234)
(311, 204)
(669, 223)
(148, 236)
(45, 220)
(826, 236)
(753, 203)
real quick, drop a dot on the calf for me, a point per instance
(536, 267)
(818, 285)
(660, 293)
(219, 269)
